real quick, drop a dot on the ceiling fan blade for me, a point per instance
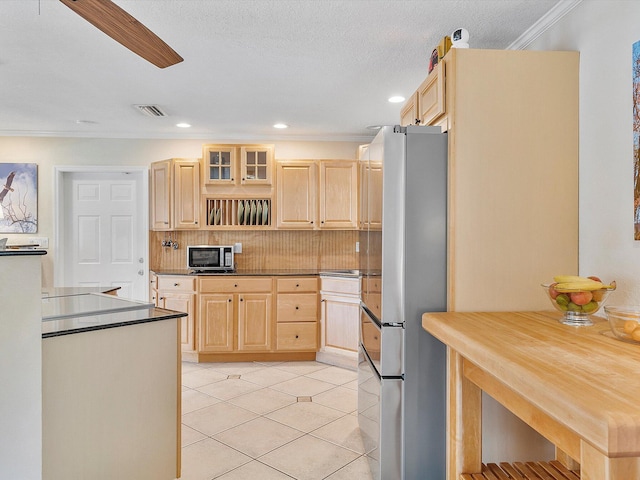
(126, 30)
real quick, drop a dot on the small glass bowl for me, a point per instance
(585, 304)
(624, 322)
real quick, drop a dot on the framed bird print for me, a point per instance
(18, 197)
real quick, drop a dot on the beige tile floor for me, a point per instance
(270, 421)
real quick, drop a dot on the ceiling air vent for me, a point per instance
(150, 110)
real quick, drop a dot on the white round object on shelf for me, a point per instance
(460, 38)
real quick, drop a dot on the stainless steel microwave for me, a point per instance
(210, 258)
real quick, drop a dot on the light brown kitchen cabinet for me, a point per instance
(161, 195)
(215, 323)
(179, 293)
(296, 193)
(256, 164)
(431, 96)
(235, 314)
(338, 195)
(175, 194)
(237, 164)
(409, 114)
(317, 194)
(297, 314)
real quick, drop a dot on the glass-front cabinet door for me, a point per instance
(256, 164)
(219, 163)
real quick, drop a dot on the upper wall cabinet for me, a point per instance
(237, 164)
(427, 105)
(317, 194)
(175, 194)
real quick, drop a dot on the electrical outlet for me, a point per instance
(42, 242)
(237, 247)
(357, 247)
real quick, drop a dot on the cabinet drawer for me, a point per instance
(344, 286)
(176, 284)
(153, 280)
(297, 336)
(297, 284)
(297, 307)
(236, 284)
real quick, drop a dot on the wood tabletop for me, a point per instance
(580, 376)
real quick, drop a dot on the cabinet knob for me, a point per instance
(176, 284)
(297, 336)
(242, 299)
(235, 285)
(297, 308)
(229, 300)
(196, 223)
(161, 298)
(297, 285)
(311, 221)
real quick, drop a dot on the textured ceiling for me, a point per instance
(325, 67)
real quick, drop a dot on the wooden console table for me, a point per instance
(577, 386)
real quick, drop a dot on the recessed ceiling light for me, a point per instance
(281, 125)
(374, 127)
(396, 99)
(183, 125)
(86, 122)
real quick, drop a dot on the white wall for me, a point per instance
(604, 31)
(48, 152)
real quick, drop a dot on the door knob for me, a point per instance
(141, 260)
(140, 272)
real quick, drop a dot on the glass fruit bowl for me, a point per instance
(624, 322)
(577, 298)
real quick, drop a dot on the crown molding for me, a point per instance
(546, 21)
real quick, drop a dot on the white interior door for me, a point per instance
(103, 231)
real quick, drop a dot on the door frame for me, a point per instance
(59, 173)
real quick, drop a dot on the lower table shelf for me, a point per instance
(553, 470)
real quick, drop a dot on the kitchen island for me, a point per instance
(20, 364)
(576, 386)
(111, 388)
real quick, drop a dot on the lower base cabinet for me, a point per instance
(243, 318)
(235, 314)
(178, 293)
(297, 314)
(339, 320)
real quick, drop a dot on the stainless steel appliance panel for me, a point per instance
(380, 420)
(384, 344)
(409, 255)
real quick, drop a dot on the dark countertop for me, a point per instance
(69, 291)
(266, 272)
(82, 310)
(11, 252)
(67, 326)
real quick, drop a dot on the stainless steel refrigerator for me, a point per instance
(403, 258)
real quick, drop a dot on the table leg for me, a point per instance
(595, 465)
(464, 421)
(566, 460)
